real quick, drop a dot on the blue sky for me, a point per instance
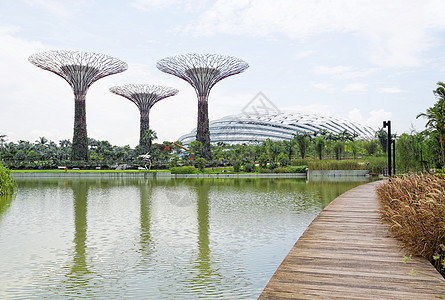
(367, 61)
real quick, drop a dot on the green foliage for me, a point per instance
(200, 163)
(338, 149)
(184, 170)
(273, 166)
(299, 162)
(7, 183)
(297, 169)
(319, 144)
(237, 166)
(197, 148)
(336, 165)
(263, 160)
(371, 146)
(382, 137)
(249, 167)
(302, 139)
(283, 159)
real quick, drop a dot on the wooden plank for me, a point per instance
(347, 253)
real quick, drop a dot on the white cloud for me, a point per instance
(342, 72)
(304, 54)
(390, 90)
(374, 120)
(329, 87)
(314, 108)
(160, 4)
(59, 8)
(356, 87)
(395, 32)
(355, 116)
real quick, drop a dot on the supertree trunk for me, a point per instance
(144, 142)
(203, 132)
(80, 140)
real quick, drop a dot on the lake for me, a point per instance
(152, 238)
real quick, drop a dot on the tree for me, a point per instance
(80, 70)
(371, 146)
(436, 117)
(202, 72)
(289, 147)
(3, 140)
(302, 139)
(145, 97)
(382, 136)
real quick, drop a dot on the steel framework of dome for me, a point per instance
(277, 126)
(80, 70)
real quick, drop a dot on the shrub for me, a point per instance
(297, 169)
(414, 206)
(237, 166)
(299, 162)
(284, 160)
(200, 163)
(7, 183)
(281, 170)
(249, 167)
(263, 160)
(273, 166)
(183, 170)
(336, 165)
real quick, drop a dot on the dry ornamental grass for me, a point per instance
(414, 207)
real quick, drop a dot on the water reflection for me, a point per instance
(145, 191)
(5, 203)
(80, 203)
(160, 238)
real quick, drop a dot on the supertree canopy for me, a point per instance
(144, 96)
(80, 70)
(202, 71)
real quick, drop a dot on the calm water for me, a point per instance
(152, 239)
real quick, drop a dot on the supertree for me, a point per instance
(144, 96)
(202, 71)
(80, 70)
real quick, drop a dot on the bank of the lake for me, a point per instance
(166, 174)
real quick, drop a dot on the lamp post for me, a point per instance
(388, 144)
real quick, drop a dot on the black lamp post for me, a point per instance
(388, 144)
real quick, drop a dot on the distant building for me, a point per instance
(277, 126)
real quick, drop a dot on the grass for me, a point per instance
(414, 207)
(85, 171)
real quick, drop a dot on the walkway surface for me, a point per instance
(347, 253)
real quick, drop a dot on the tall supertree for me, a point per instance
(80, 70)
(202, 71)
(144, 96)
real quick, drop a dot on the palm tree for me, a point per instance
(3, 140)
(436, 116)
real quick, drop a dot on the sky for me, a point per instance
(366, 61)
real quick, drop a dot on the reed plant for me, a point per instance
(414, 207)
(336, 165)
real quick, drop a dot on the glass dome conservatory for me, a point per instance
(277, 126)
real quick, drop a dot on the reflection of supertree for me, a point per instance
(80, 192)
(202, 71)
(80, 70)
(144, 96)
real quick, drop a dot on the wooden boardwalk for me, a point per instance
(347, 253)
